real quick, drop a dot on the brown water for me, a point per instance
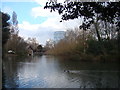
(53, 72)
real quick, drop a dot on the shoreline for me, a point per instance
(90, 58)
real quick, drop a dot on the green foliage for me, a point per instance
(94, 47)
(17, 44)
(110, 46)
(104, 47)
(5, 28)
(10, 38)
(5, 35)
(39, 48)
(91, 13)
(106, 11)
(88, 49)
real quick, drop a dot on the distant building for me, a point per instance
(29, 50)
(58, 35)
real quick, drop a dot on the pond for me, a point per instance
(54, 72)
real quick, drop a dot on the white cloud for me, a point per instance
(43, 2)
(53, 19)
(37, 31)
(45, 30)
(53, 22)
(40, 11)
(29, 27)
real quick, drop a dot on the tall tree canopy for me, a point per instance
(107, 11)
(5, 27)
(91, 12)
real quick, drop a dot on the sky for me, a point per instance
(36, 22)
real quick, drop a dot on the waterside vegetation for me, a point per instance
(13, 44)
(83, 46)
(97, 38)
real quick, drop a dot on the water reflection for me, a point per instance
(49, 72)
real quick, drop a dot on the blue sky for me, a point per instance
(23, 10)
(35, 21)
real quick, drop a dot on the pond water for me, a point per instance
(53, 72)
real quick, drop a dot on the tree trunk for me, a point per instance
(96, 28)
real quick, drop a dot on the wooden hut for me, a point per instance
(30, 51)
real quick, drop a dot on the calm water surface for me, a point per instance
(53, 72)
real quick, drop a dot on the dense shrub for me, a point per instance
(94, 47)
